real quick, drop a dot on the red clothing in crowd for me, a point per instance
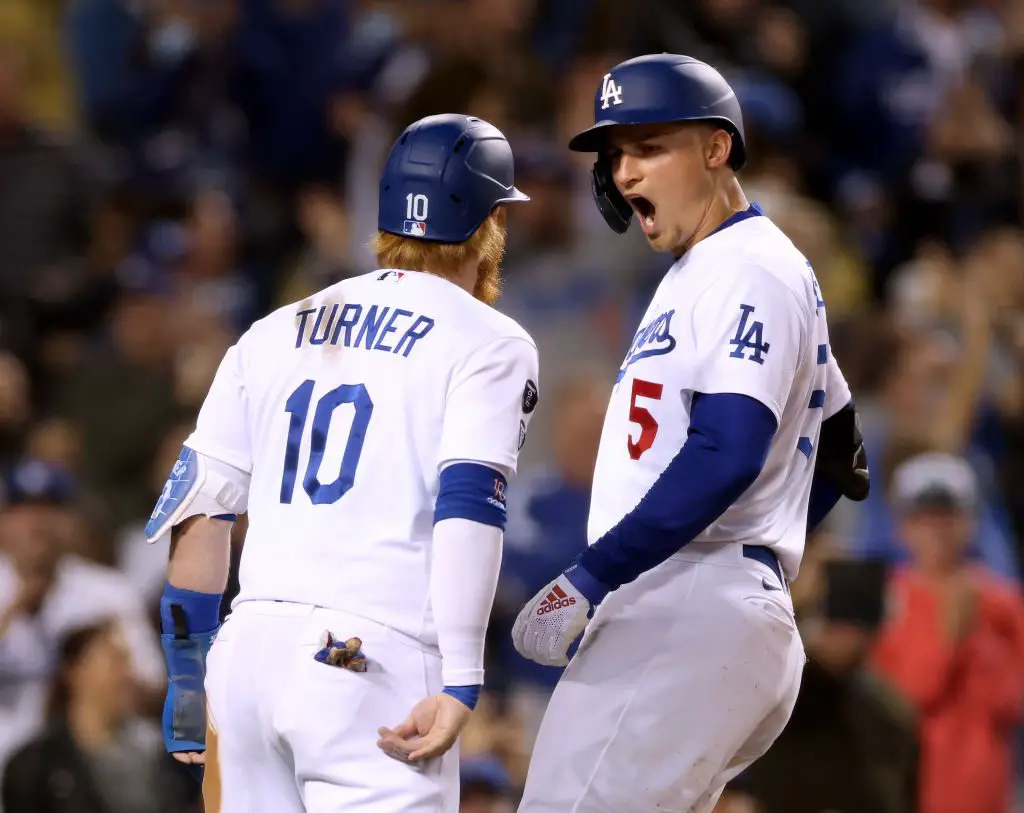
(969, 693)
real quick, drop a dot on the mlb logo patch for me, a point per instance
(414, 228)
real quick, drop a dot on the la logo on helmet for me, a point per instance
(611, 93)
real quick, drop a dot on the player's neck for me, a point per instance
(466, 277)
(726, 200)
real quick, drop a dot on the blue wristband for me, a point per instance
(467, 695)
(201, 610)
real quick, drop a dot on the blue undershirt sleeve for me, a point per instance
(726, 447)
(824, 496)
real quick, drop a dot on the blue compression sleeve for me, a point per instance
(471, 491)
(824, 496)
(726, 447)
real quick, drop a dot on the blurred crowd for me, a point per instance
(172, 169)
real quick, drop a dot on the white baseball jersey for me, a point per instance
(344, 407)
(740, 312)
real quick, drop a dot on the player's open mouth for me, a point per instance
(644, 211)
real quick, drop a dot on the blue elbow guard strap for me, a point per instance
(468, 695)
(189, 623)
(471, 491)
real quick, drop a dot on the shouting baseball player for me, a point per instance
(729, 432)
(369, 431)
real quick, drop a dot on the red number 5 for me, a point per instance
(639, 415)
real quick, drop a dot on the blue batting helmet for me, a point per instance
(443, 177)
(656, 89)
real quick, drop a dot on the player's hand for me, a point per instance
(430, 730)
(190, 757)
(550, 622)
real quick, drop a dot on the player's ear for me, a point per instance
(717, 147)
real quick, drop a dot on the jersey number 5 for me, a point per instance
(297, 406)
(642, 417)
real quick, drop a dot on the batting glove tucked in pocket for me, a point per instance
(347, 654)
(550, 622)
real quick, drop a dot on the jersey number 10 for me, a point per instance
(297, 406)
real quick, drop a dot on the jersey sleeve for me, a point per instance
(748, 332)
(837, 391)
(491, 399)
(222, 428)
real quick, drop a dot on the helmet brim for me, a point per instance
(515, 196)
(593, 139)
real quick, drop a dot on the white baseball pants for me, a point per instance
(684, 678)
(293, 735)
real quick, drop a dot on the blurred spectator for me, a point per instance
(324, 257)
(548, 526)
(850, 744)
(54, 441)
(932, 394)
(216, 290)
(14, 405)
(45, 591)
(145, 565)
(289, 55)
(96, 755)
(45, 202)
(954, 642)
(122, 395)
(486, 786)
(497, 733)
(567, 289)
(35, 26)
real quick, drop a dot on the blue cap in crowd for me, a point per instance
(485, 771)
(38, 481)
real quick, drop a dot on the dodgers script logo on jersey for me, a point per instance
(653, 339)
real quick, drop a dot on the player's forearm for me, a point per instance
(728, 443)
(463, 579)
(197, 575)
(200, 555)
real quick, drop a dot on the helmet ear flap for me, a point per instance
(613, 207)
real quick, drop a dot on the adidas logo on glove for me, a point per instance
(556, 600)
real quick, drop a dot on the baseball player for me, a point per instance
(730, 430)
(369, 431)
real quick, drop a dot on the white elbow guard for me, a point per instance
(197, 485)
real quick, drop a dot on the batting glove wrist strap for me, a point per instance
(593, 590)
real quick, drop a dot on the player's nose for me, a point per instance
(625, 172)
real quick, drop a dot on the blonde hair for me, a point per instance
(485, 246)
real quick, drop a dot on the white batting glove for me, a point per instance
(549, 622)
